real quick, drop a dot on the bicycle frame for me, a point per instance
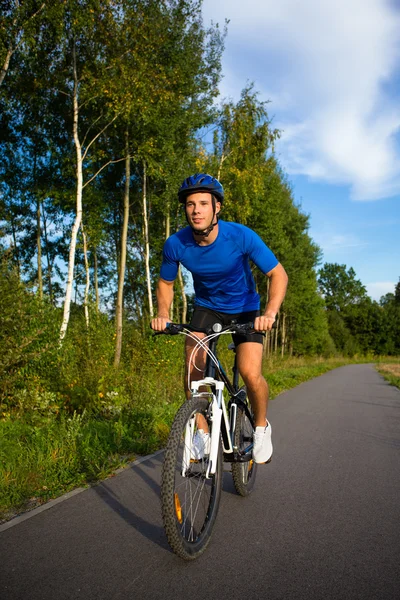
(222, 423)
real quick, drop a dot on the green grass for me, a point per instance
(43, 457)
(284, 375)
(46, 451)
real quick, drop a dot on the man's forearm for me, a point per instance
(165, 295)
(277, 290)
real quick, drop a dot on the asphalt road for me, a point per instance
(323, 522)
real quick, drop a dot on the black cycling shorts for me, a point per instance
(205, 317)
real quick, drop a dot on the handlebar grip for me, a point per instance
(246, 327)
(173, 328)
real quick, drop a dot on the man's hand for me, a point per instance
(264, 322)
(159, 323)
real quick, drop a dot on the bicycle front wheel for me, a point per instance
(243, 473)
(189, 498)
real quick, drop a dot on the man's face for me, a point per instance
(199, 210)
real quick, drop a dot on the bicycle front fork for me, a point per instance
(216, 414)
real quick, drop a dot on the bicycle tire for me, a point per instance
(189, 500)
(243, 473)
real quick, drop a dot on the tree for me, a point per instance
(242, 139)
(397, 293)
(160, 113)
(19, 24)
(339, 287)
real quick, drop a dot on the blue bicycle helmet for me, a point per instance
(201, 182)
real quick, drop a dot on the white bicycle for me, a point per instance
(206, 432)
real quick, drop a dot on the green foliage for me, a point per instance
(28, 339)
(356, 323)
(341, 336)
(339, 287)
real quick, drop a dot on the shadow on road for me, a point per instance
(124, 507)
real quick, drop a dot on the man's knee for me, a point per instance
(252, 377)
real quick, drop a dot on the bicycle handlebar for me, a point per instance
(233, 327)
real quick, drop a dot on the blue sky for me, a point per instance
(332, 74)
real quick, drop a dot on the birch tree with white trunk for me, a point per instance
(90, 84)
(122, 263)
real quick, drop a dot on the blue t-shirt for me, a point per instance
(221, 271)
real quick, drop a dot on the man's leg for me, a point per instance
(197, 367)
(198, 363)
(249, 362)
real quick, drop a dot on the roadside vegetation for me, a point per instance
(49, 447)
(390, 368)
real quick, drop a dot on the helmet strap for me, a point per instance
(207, 231)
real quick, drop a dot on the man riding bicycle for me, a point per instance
(217, 253)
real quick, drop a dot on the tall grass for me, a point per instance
(390, 371)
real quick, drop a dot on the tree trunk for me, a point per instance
(276, 335)
(147, 244)
(49, 265)
(266, 344)
(78, 216)
(124, 238)
(6, 63)
(15, 245)
(167, 224)
(116, 239)
(183, 294)
(221, 160)
(38, 230)
(39, 251)
(86, 296)
(283, 334)
(96, 280)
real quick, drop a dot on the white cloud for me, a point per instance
(344, 241)
(340, 245)
(380, 288)
(332, 65)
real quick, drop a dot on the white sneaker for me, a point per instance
(262, 444)
(200, 445)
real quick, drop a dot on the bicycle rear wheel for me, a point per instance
(189, 499)
(243, 473)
